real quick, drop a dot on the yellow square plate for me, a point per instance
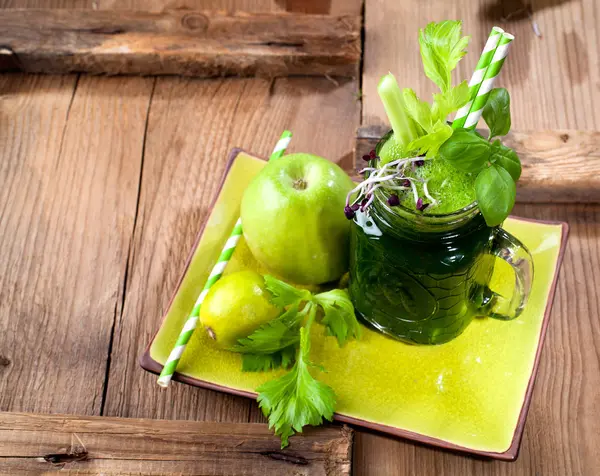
(471, 394)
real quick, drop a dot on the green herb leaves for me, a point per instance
(452, 100)
(284, 294)
(418, 126)
(496, 112)
(339, 318)
(296, 399)
(434, 125)
(497, 167)
(466, 150)
(495, 191)
(506, 158)
(274, 335)
(441, 49)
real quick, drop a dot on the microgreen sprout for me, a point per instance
(390, 176)
(393, 200)
(372, 155)
(420, 205)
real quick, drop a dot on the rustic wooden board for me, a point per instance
(322, 7)
(558, 166)
(34, 443)
(70, 172)
(191, 129)
(552, 79)
(181, 42)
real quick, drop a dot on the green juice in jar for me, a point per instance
(421, 251)
(451, 188)
(420, 276)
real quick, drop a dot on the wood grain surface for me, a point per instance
(191, 128)
(552, 79)
(181, 42)
(66, 262)
(70, 171)
(558, 166)
(33, 443)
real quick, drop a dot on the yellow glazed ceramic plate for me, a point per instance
(471, 394)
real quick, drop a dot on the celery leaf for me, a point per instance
(339, 317)
(296, 399)
(442, 47)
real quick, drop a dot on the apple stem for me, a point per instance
(300, 184)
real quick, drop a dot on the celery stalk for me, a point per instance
(405, 129)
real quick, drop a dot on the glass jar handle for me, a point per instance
(507, 247)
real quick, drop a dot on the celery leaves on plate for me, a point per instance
(273, 344)
(297, 399)
(274, 335)
(285, 294)
(283, 358)
(339, 318)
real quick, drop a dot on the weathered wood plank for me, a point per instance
(552, 79)
(69, 169)
(49, 3)
(193, 124)
(558, 166)
(321, 7)
(561, 433)
(181, 42)
(72, 444)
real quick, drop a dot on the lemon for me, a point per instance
(235, 306)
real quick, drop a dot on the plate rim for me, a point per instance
(511, 454)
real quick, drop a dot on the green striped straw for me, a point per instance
(484, 61)
(487, 83)
(192, 321)
(488, 76)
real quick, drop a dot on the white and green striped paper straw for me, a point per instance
(489, 77)
(474, 84)
(192, 321)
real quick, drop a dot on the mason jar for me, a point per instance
(423, 278)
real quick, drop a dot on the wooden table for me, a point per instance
(106, 180)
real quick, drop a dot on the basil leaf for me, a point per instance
(495, 191)
(466, 150)
(496, 112)
(506, 158)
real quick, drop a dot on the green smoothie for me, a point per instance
(451, 188)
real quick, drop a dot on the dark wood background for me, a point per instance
(106, 180)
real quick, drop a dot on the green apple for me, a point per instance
(293, 218)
